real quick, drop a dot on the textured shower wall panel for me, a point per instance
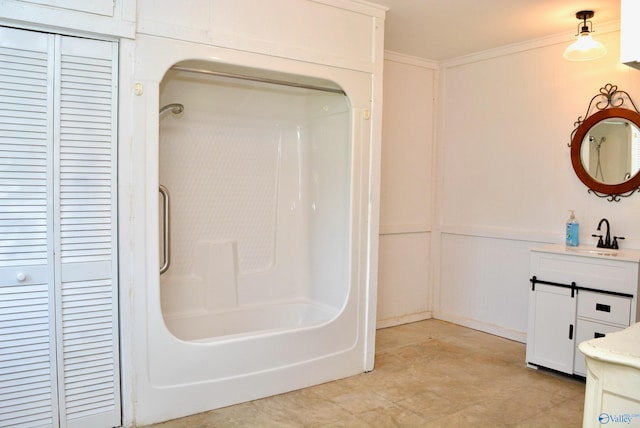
(232, 164)
(329, 206)
(267, 168)
(223, 180)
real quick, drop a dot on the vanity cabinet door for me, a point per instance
(551, 330)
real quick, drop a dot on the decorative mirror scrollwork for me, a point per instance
(605, 145)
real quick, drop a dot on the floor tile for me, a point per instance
(428, 373)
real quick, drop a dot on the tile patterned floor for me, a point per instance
(427, 374)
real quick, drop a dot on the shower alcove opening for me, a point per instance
(255, 202)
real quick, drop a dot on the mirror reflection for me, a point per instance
(610, 151)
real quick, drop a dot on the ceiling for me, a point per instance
(444, 29)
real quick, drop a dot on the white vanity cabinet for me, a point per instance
(576, 295)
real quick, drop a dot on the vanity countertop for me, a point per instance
(621, 347)
(586, 251)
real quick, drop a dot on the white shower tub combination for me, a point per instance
(258, 177)
(263, 227)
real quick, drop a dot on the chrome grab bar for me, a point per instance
(166, 249)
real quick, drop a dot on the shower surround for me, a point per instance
(258, 174)
(273, 191)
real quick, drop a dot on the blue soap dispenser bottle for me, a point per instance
(573, 230)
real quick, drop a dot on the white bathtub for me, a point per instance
(247, 321)
(266, 292)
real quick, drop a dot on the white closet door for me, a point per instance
(28, 395)
(85, 242)
(58, 261)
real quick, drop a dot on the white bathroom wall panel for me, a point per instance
(504, 130)
(241, 24)
(98, 7)
(407, 190)
(104, 17)
(404, 278)
(482, 284)
(505, 176)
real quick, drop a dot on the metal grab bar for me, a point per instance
(166, 249)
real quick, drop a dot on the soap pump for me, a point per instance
(573, 231)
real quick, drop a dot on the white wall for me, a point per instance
(407, 190)
(505, 181)
(458, 216)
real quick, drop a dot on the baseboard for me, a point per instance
(518, 336)
(404, 319)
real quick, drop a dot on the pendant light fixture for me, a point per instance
(585, 48)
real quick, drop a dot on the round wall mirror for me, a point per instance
(605, 152)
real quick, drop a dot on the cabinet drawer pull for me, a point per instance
(570, 331)
(597, 335)
(602, 307)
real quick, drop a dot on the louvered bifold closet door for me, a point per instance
(85, 213)
(28, 396)
(59, 363)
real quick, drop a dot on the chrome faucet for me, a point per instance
(607, 240)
